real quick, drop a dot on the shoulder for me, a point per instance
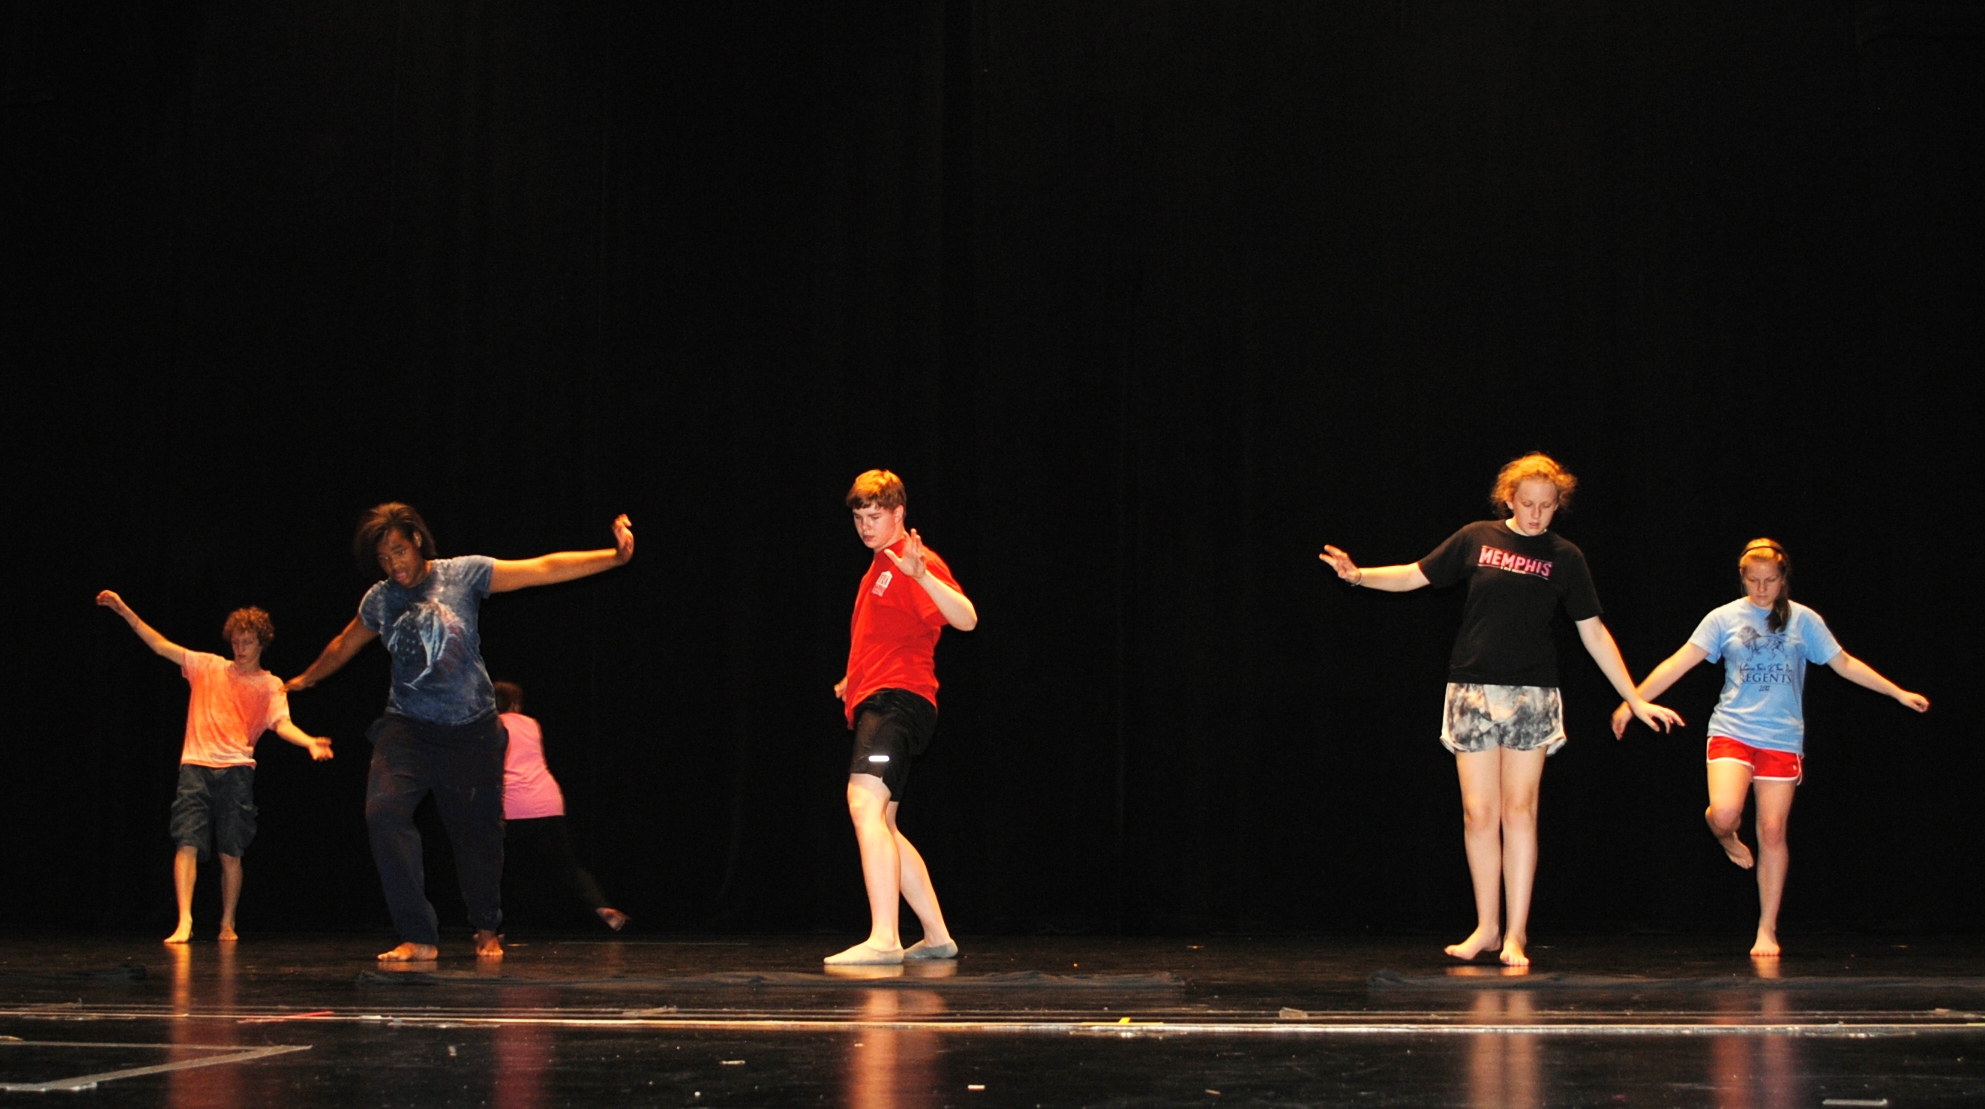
(1729, 614)
(467, 571)
(201, 662)
(1807, 622)
(1805, 613)
(517, 723)
(1564, 550)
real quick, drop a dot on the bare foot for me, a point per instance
(1767, 945)
(228, 934)
(1734, 847)
(1513, 955)
(489, 945)
(1477, 942)
(410, 953)
(615, 919)
(181, 934)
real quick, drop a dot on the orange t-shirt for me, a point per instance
(228, 712)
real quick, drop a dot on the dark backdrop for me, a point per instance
(1146, 300)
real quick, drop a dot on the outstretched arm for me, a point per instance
(953, 603)
(1599, 644)
(336, 653)
(160, 645)
(1861, 674)
(1658, 680)
(1390, 579)
(508, 575)
(318, 746)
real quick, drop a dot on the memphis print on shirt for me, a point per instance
(1499, 559)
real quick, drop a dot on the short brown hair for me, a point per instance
(1531, 467)
(509, 697)
(879, 488)
(382, 518)
(250, 619)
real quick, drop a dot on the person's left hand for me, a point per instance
(912, 560)
(320, 748)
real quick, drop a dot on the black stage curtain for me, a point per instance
(1147, 300)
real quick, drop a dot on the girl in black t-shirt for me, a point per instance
(1503, 715)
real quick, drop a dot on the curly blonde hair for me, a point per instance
(1531, 467)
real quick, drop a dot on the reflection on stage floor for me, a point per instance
(307, 1021)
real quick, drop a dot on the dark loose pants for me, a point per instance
(539, 846)
(462, 765)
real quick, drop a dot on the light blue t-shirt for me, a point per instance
(432, 633)
(1764, 672)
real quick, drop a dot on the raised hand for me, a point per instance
(912, 560)
(1341, 562)
(623, 539)
(113, 602)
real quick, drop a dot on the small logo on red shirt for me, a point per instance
(1515, 563)
(882, 584)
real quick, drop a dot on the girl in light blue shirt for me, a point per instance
(1757, 733)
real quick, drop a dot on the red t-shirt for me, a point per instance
(893, 636)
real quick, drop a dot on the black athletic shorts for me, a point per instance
(892, 726)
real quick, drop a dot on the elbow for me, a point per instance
(966, 622)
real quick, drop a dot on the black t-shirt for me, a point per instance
(1515, 582)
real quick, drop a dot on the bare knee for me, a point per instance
(1771, 834)
(1724, 818)
(868, 800)
(1477, 815)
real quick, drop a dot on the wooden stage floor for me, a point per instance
(307, 1021)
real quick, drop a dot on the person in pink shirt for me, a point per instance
(232, 704)
(534, 809)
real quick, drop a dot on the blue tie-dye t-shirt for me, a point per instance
(432, 633)
(1764, 672)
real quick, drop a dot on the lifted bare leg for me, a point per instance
(1729, 784)
(185, 869)
(410, 953)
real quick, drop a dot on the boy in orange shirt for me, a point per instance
(232, 704)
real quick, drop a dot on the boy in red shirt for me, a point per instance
(890, 697)
(232, 704)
